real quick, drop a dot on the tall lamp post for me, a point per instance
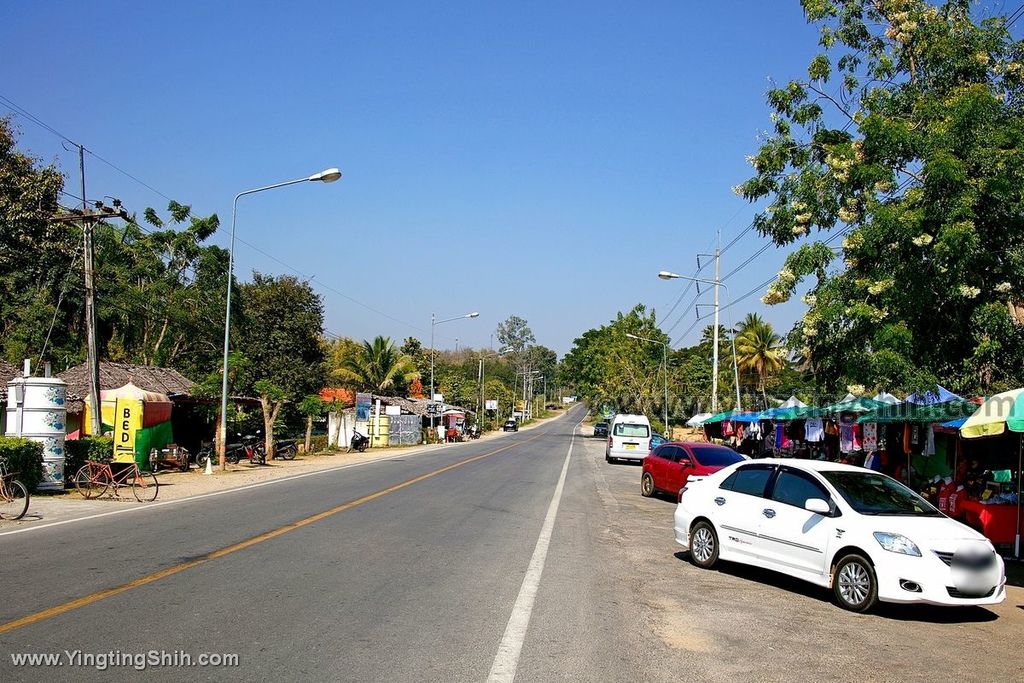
(667, 275)
(664, 357)
(326, 176)
(434, 322)
(480, 376)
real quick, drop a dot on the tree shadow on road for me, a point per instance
(921, 613)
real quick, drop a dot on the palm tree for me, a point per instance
(752, 320)
(759, 350)
(377, 366)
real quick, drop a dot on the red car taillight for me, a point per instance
(609, 442)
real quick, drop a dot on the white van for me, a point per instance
(629, 438)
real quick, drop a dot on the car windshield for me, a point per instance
(633, 430)
(710, 456)
(870, 493)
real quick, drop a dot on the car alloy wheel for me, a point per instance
(854, 584)
(703, 545)
(647, 485)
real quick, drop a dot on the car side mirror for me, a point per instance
(818, 506)
(686, 463)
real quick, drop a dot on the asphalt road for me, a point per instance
(483, 559)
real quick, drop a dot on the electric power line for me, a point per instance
(17, 109)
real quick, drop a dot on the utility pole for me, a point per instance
(92, 352)
(714, 372)
(88, 218)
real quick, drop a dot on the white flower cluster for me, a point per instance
(856, 389)
(969, 292)
(840, 166)
(1003, 287)
(923, 239)
(809, 299)
(902, 28)
(880, 286)
(774, 295)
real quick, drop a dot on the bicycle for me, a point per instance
(93, 480)
(13, 494)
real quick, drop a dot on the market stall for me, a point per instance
(996, 513)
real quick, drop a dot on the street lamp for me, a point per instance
(326, 176)
(669, 275)
(664, 351)
(434, 322)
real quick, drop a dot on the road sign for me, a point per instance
(490, 404)
(433, 409)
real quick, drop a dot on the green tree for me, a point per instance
(40, 264)
(515, 334)
(311, 406)
(606, 366)
(378, 366)
(161, 292)
(907, 131)
(281, 322)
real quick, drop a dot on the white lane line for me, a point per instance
(503, 669)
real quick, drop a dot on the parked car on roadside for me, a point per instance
(629, 438)
(601, 430)
(671, 465)
(510, 426)
(657, 440)
(862, 534)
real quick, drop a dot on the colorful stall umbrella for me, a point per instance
(997, 414)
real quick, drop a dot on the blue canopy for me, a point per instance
(746, 417)
(956, 424)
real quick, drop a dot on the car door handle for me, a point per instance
(720, 500)
(768, 512)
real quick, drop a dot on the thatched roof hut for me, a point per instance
(113, 375)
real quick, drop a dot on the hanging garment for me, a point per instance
(739, 432)
(915, 435)
(846, 436)
(781, 440)
(831, 428)
(870, 436)
(929, 442)
(906, 438)
(814, 430)
(727, 428)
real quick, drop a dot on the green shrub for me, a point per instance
(25, 458)
(78, 451)
(318, 443)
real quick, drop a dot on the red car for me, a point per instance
(670, 465)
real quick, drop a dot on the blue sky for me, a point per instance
(544, 159)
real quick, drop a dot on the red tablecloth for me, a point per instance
(997, 522)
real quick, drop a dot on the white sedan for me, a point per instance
(862, 534)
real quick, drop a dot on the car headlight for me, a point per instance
(897, 543)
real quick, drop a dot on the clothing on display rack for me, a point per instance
(870, 436)
(814, 430)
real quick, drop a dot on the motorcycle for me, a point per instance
(250, 448)
(358, 443)
(253, 449)
(285, 450)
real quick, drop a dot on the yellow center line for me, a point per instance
(85, 600)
